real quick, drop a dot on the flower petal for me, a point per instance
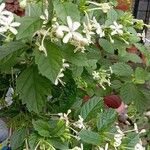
(76, 25)
(15, 24)
(13, 30)
(69, 22)
(3, 29)
(67, 38)
(2, 6)
(63, 28)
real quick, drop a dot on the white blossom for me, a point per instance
(6, 21)
(79, 124)
(98, 28)
(96, 75)
(118, 137)
(88, 31)
(105, 7)
(139, 146)
(61, 74)
(64, 116)
(116, 28)
(45, 16)
(70, 29)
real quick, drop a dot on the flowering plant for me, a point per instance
(74, 75)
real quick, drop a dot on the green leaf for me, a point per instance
(32, 89)
(106, 45)
(89, 106)
(122, 69)
(112, 15)
(130, 140)
(90, 137)
(66, 9)
(42, 127)
(10, 48)
(29, 25)
(131, 57)
(130, 93)
(17, 138)
(49, 66)
(106, 120)
(141, 75)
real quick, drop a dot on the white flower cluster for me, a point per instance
(78, 148)
(106, 147)
(118, 137)
(102, 76)
(79, 124)
(61, 74)
(71, 34)
(64, 116)
(7, 21)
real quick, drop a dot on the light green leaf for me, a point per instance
(90, 137)
(29, 25)
(10, 48)
(49, 66)
(17, 138)
(32, 89)
(122, 69)
(112, 15)
(141, 75)
(89, 106)
(106, 120)
(66, 9)
(106, 45)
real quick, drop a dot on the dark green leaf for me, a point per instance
(32, 89)
(130, 93)
(66, 9)
(42, 127)
(106, 45)
(122, 69)
(18, 138)
(49, 66)
(90, 137)
(89, 106)
(106, 120)
(10, 48)
(29, 25)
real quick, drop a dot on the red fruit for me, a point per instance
(86, 98)
(112, 101)
(123, 7)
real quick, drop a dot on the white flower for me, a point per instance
(98, 28)
(79, 124)
(64, 116)
(8, 24)
(45, 16)
(96, 75)
(105, 7)
(144, 39)
(139, 146)
(88, 31)
(61, 74)
(71, 29)
(117, 28)
(118, 137)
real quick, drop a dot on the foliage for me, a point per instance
(60, 52)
